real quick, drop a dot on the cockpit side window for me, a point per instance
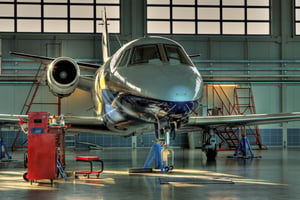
(175, 54)
(124, 59)
(145, 53)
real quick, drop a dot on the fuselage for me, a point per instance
(146, 81)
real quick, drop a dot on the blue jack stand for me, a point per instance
(244, 147)
(154, 154)
(161, 163)
(4, 147)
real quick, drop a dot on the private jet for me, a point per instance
(149, 85)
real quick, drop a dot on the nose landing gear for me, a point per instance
(164, 130)
(166, 153)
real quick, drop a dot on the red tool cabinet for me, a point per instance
(41, 156)
(42, 153)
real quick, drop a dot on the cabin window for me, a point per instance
(145, 53)
(175, 55)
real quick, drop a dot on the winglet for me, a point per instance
(105, 38)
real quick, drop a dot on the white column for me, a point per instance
(134, 142)
(284, 135)
(283, 108)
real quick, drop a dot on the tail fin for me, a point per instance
(105, 38)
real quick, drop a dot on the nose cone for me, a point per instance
(178, 93)
(180, 85)
(168, 82)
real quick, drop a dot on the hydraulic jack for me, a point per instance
(3, 150)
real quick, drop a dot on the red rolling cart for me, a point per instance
(42, 152)
(41, 157)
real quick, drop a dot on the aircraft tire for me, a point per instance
(211, 154)
(25, 177)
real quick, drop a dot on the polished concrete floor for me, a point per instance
(274, 176)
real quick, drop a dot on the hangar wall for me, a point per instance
(224, 59)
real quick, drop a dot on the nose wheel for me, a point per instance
(211, 154)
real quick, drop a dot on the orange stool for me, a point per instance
(89, 159)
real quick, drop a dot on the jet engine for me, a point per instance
(63, 76)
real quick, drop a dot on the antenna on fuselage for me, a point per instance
(105, 37)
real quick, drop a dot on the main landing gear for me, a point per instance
(164, 130)
(210, 145)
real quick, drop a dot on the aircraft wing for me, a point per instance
(96, 125)
(242, 120)
(47, 60)
(86, 124)
(9, 119)
(75, 123)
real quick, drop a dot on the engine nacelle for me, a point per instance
(63, 76)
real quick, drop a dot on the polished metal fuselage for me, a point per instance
(131, 96)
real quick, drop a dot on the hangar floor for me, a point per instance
(274, 176)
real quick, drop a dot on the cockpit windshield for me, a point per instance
(155, 54)
(142, 54)
(175, 55)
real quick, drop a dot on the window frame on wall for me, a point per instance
(35, 16)
(297, 17)
(209, 17)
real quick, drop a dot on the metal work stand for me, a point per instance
(244, 147)
(154, 154)
(161, 158)
(3, 146)
(90, 160)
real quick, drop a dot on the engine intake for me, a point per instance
(63, 76)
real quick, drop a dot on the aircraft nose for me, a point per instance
(180, 85)
(179, 93)
(167, 83)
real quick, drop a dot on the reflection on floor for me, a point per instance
(274, 176)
